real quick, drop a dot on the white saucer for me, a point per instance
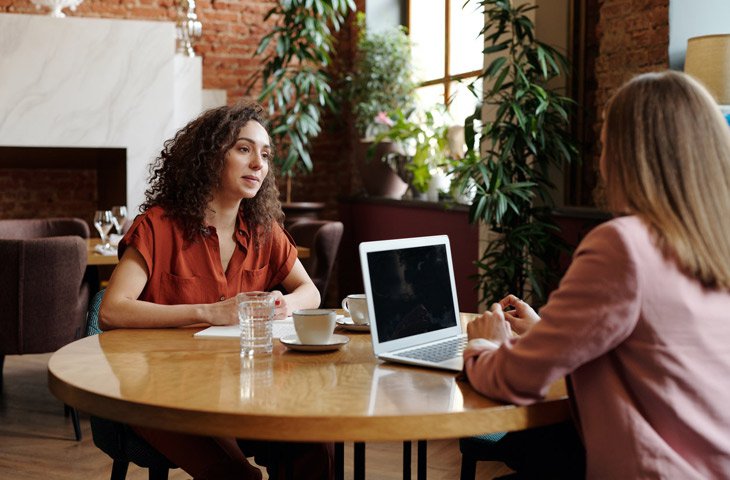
(335, 343)
(347, 324)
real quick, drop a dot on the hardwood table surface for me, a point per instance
(166, 378)
(95, 258)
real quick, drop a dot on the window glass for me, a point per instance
(466, 44)
(463, 102)
(430, 96)
(427, 30)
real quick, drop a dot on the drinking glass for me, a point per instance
(255, 314)
(119, 213)
(104, 221)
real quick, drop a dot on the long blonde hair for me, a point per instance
(667, 160)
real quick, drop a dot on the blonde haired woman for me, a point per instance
(641, 320)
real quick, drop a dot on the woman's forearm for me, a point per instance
(127, 313)
(305, 295)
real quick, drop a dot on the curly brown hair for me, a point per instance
(188, 170)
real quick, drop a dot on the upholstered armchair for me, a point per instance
(322, 237)
(44, 295)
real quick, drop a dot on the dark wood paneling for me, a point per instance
(383, 219)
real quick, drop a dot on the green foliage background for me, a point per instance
(295, 84)
(509, 156)
(382, 77)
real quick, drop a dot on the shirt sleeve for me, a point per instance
(140, 236)
(283, 255)
(594, 309)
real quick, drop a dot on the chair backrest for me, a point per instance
(21, 229)
(323, 238)
(45, 295)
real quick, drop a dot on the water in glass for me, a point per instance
(255, 313)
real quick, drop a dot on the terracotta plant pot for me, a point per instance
(378, 179)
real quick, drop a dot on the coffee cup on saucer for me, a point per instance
(356, 305)
(314, 326)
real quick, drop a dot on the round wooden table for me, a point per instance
(167, 379)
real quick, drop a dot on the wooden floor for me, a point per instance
(36, 440)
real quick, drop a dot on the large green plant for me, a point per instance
(295, 85)
(509, 157)
(382, 76)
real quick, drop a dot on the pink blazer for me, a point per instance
(649, 352)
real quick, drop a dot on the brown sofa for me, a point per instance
(44, 294)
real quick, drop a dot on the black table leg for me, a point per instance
(422, 456)
(339, 461)
(406, 460)
(359, 460)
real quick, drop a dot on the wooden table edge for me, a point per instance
(328, 428)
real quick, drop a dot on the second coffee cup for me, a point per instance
(356, 305)
(314, 326)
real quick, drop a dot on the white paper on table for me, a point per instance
(114, 239)
(279, 329)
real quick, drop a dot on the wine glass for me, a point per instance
(119, 213)
(104, 221)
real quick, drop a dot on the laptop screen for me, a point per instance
(411, 291)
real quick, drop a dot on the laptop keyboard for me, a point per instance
(436, 352)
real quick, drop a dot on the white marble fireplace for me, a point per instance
(82, 82)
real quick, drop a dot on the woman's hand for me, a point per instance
(519, 314)
(226, 312)
(222, 313)
(281, 307)
(490, 325)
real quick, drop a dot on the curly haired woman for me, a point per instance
(210, 229)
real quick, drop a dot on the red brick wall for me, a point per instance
(45, 193)
(633, 38)
(618, 39)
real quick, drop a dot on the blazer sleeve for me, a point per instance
(593, 310)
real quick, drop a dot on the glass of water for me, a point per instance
(255, 314)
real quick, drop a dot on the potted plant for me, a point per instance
(509, 157)
(295, 85)
(422, 149)
(381, 82)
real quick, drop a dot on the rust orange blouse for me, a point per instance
(183, 272)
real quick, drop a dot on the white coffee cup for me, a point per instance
(314, 326)
(356, 305)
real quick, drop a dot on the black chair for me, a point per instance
(550, 451)
(117, 440)
(323, 238)
(476, 449)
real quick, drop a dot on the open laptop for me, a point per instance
(411, 293)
